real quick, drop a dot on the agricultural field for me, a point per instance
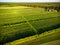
(41, 39)
(21, 22)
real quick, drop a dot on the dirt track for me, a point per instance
(55, 42)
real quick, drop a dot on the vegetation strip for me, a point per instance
(28, 21)
(14, 7)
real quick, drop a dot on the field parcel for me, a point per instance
(20, 22)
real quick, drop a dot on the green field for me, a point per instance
(40, 39)
(20, 22)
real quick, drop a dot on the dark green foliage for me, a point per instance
(28, 4)
(48, 28)
(17, 35)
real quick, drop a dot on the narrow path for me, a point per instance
(30, 25)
